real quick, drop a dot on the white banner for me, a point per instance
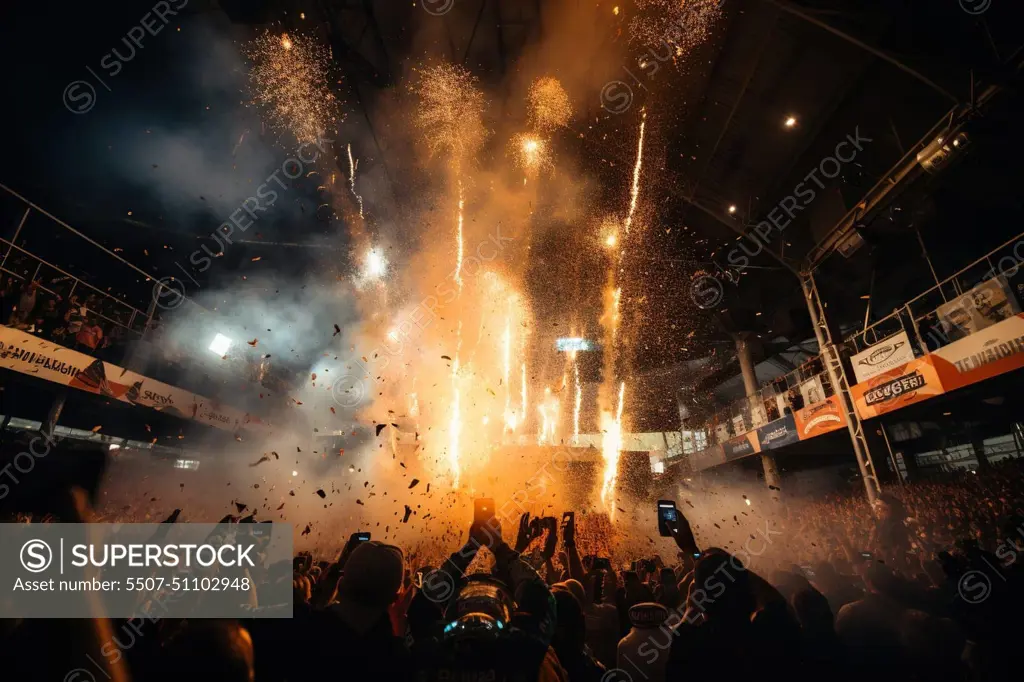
(31, 355)
(881, 357)
(812, 390)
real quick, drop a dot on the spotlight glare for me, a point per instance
(376, 264)
(220, 344)
(732, 208)
(790, 121)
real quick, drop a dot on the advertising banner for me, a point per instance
(812, 390)
(905, 385)
(778, 433)
(31, 355)
(889, 354)
(819, 419)
(993, 351)
(981, 307)
(741, 446)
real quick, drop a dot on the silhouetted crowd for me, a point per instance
(924, 585)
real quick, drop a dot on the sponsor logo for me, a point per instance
(213, 416)
(153, 397)
(882, 354)
(823, 419)
(895, 388)
(992, 351)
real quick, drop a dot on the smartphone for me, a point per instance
(668, 516)
(602, 563)
(866, 556)
(483, 510)
(568, 517)
(363, 537)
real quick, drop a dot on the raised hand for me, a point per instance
(525, 534)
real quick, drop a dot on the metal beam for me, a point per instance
(786, 7)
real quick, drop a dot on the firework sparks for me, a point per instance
(548, 409)
(634, 190)
(682, 25)
(450, 110)
(578, 402)
(611, 447)
(288, 82)
(549, 105)
(530, 152)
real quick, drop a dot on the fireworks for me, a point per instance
(578, 402)
(548, 409)
(288, 82)
(682, 25)
(352, 165)
(451, 110)
(375, 265)
(530, 152)
(611, 446)
(634, 190)
(549, 106)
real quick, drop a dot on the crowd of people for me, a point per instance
(82, 322)
(924, 585)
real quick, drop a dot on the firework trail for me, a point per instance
(612, 426)
(352, 165)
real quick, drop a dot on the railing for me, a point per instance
(787, 394)
(922, 308)
(806, 385)
(18, 263)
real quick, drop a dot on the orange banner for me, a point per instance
(820, 418)
(995, 350)
(904, 385)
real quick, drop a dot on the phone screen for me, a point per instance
(483, 510)
(668, 515)
(363, 537)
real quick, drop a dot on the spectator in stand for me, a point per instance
(21, 315)
(74, 316)
(48, 319)
(89, 336)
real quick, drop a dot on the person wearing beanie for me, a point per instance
(643, 652)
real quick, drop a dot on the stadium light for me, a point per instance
(220, 344)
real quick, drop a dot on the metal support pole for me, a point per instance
(837, 375)
(931, 267)
(892, 457)
(743, 354)
(54, 415)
